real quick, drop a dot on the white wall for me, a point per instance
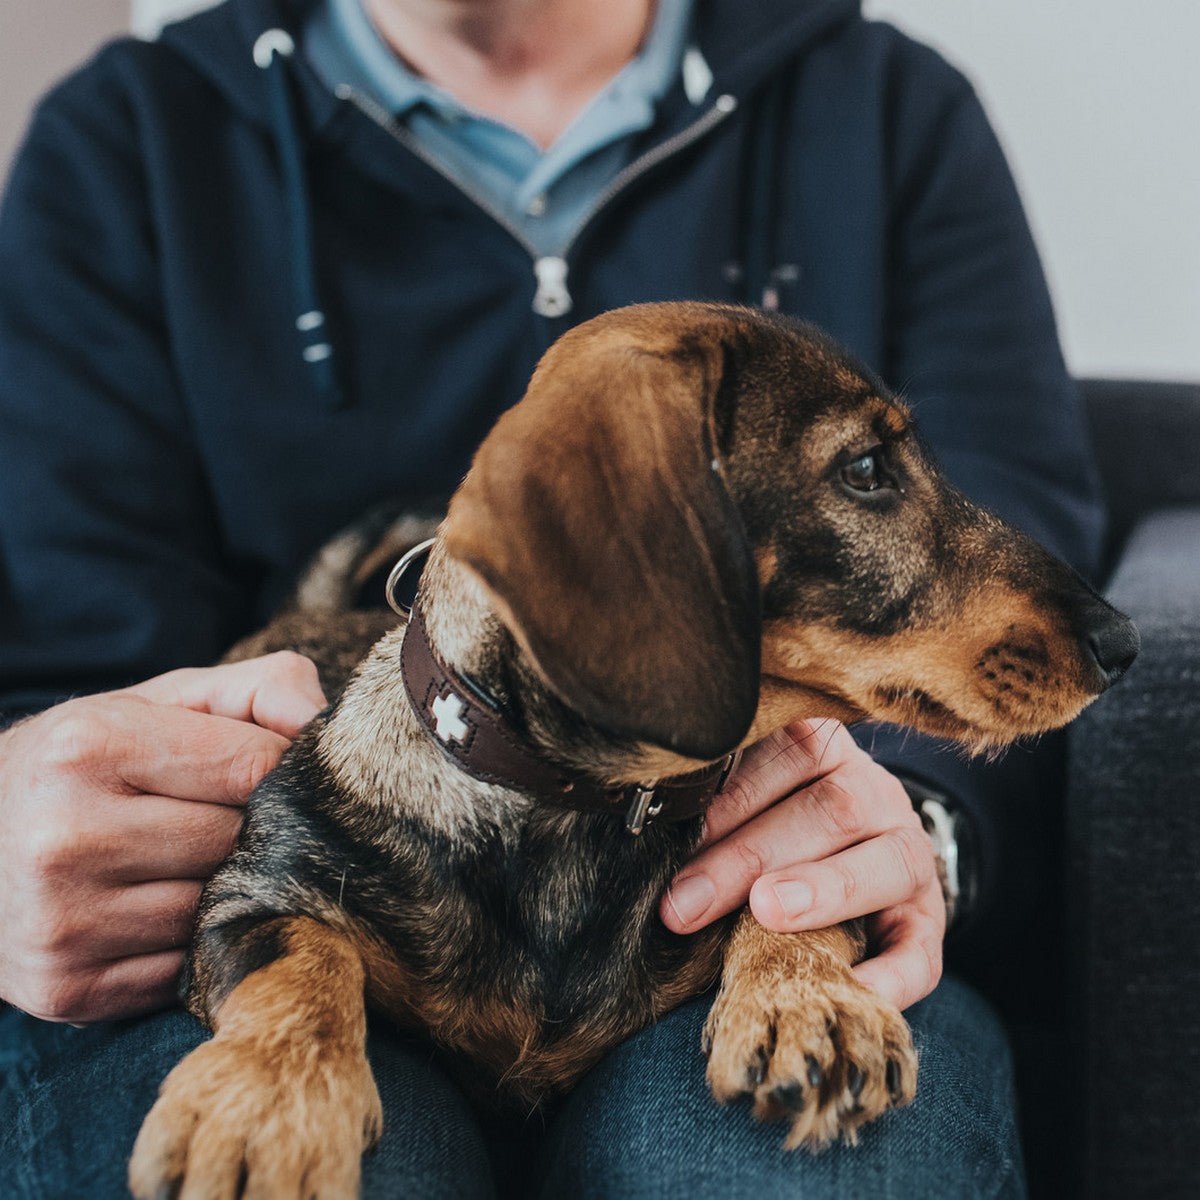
(39, 42)
(150, 15)
(1098, 105)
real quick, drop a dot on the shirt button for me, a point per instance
(536, 207)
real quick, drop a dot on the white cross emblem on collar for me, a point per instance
(448, 713)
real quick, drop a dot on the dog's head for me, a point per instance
(699, 514)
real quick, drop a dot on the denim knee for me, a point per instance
(432, 1146)
(642, 1124)
(73, 1100)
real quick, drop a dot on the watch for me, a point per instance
(949, 829)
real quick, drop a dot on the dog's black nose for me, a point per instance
(1111, 642)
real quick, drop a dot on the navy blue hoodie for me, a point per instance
(172, 446)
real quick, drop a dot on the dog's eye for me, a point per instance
(863, 474)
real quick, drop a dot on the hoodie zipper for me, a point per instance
(551, 298)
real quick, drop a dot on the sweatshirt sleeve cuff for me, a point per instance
(1013, 810)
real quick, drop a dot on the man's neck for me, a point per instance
(533, 64)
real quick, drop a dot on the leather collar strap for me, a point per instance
(478, 737)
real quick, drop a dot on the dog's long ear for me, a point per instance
(596, 515)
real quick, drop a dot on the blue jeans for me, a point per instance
(641, 1125)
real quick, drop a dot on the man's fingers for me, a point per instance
(776, 766)
(112, 991)
(126, 741)
(279, 691)
(906, 973)
(195, 756)
(160, 837)
(908, 938)
(886, 870)
(836, 811)
(144, 919)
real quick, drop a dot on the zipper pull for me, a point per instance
(551, 298)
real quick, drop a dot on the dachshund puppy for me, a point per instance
(700, 524)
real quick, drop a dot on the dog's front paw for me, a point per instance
(280, 1122)
(820, 1051)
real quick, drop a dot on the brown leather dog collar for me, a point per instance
(471, 728)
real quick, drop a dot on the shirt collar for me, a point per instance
(644, 79)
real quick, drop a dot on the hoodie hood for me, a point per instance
(743, 43)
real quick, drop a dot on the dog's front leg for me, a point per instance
(793, 1028)
(281, 1102)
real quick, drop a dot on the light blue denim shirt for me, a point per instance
(546, 194)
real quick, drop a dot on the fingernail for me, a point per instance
(794, 896)
(691, 897)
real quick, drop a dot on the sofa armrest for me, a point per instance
(1133, 830)
(1141, 432)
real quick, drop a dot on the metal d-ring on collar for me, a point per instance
(397, 573)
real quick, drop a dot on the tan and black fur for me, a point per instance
(657, 556)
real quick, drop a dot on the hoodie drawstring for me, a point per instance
(761, 276)
(270, 51)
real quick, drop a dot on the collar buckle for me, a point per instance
(646, 804)
(643, 807)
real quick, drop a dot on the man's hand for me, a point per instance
(812, 831)
(114, 810)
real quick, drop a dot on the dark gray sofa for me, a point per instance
(1133, 816)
